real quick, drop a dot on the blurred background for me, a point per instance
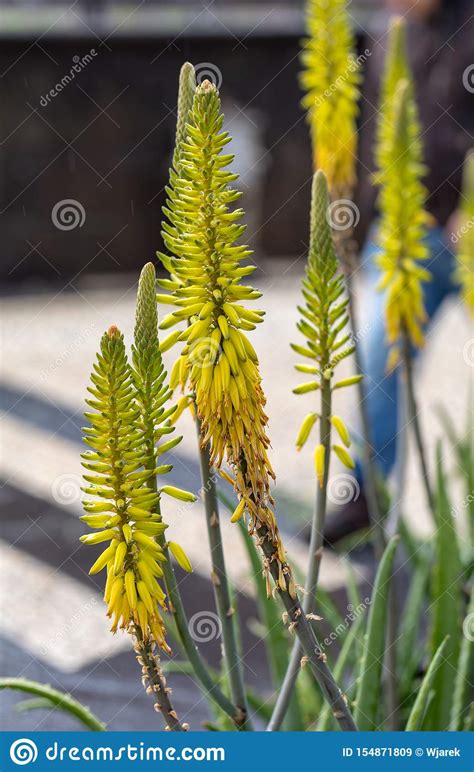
(88, 92)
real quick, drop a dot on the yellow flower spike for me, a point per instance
(305, 429)
(226, 382)
(116, 459)
(343, 456)
(341, 429)
(402, 198)
(319, 460)
(238, 512)
(330, 78)
(180, 556)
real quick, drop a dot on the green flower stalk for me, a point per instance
(402, 200)
(465, 235)
(218, 361)
(324, 325)
(330, 78)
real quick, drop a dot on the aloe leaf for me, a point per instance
(418, 710)
(465, 671)
(411, 618)
(59, 700)
(446, 588)
(369, 689)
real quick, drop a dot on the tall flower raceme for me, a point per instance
(324, 325)
(464, 238)
(218, 361)
(127, 435)
(403, 218)
(123, 510)
(330, 78)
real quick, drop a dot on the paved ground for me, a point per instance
(52, 622)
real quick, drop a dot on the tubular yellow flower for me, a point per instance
(218, 361)
(464, 237)
(402, 199)
(117, 479)
(330, 78)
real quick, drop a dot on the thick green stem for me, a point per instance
(221, 587)
(313, 655)
(412, 414)
(315, 553)
(155, 682)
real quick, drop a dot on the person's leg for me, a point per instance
(381, 387)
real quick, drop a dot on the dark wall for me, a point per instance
(115, 162)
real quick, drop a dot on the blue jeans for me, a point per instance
(381, 388)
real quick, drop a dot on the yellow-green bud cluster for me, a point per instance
(123, 508)
(330, 78)
(324, 324)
